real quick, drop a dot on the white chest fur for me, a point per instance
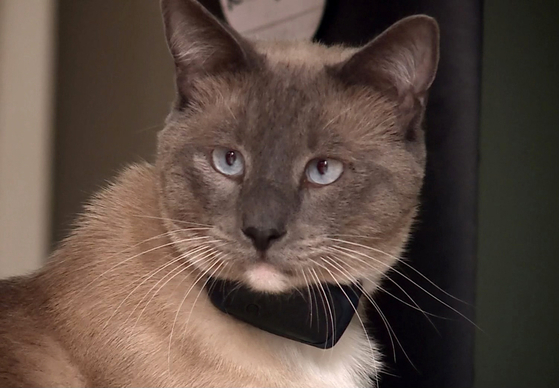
(281, 362)
(352, 362)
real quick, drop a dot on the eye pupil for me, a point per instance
(324, 171)
(322, 166)
(230, 157)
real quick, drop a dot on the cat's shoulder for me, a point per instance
(29, 353)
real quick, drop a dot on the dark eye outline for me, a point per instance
(225, 150)
(309, 181)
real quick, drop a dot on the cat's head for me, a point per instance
(286, 163)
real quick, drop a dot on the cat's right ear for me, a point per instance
(201, 45)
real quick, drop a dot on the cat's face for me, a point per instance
(282, 165)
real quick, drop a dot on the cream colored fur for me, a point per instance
(85, 282)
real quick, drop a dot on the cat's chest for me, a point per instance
(259, 359)
(330, 369)
(350, 363)
(339, 373)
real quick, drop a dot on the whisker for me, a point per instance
(323, 298)
(170, 275)
(391, 333)
(156, 126)
(362, 325)
(138, 255)
(411, 281)
(174, 220)
(215, 262)
(313, 296)
(59, 261)
(415, 306)
(402, 261)
(354, 280)
(223, 263)
(330, 311)
(146, 278)
(385, 320)
(354, 236)
(192, 229)
(309, 292)
(192, 260)
(314, 291)
(224, 257)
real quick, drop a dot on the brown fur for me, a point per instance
(121, 302)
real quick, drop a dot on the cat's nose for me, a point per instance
(262, 238)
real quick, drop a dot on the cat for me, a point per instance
(282, 165)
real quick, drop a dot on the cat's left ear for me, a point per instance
(201, 45)
(402, 60)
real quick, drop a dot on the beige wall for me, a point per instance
(26, 101)
(115, 86)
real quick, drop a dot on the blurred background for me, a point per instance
(85, 85)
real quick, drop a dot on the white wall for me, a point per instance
(27, 40)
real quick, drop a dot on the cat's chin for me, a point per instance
(264, 277)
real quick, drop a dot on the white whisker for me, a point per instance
(410, 280)
(309, 292)
(323, 298)
(174, 220)
(355, 281)
(415, 306)
(205, 284)
(146, 278)
(191, 260)
(376, 374)
(138, 255)
(215, 261)
(403, 262)
(57, 262)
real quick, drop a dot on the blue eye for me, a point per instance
(324, 171)
(228, 162)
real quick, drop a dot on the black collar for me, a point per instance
(300, 315)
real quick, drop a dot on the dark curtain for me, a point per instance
(443, 245)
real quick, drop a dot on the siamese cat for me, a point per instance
(285, 168)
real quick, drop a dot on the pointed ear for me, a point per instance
(402, 60)
(200, 44)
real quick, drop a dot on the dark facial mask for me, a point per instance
(298, 315)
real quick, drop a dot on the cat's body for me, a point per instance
(61, 338)
(233, 195)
